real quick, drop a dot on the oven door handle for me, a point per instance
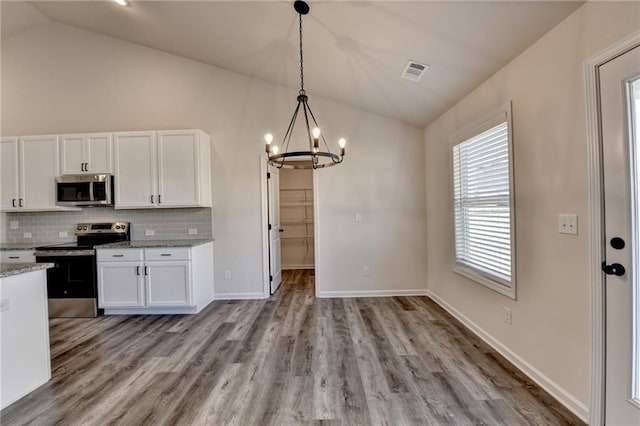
(65, 253)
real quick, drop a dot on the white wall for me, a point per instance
(551, 318)
(56, 79)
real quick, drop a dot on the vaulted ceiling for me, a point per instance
(354, 51)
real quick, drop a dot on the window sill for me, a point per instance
(485, 280)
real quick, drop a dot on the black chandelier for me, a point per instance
(315, 157)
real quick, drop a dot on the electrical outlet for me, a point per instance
(27, 235)
(365, 271)
(227, 274)
(14, 224)
(149, 232)
(193, 231)
(568, 224)
(62, 234)
(358, 217)
(507, 315)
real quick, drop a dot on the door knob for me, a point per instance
(613, 269)
(280, 230)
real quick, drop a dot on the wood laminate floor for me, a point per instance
(291, 359)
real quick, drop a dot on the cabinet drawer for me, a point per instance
(171, 253)
(116, 255)
(17, 256)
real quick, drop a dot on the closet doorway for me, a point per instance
(297, 219)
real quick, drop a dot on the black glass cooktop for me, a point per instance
(67, 246)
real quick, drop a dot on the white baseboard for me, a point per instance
(372, 293)
(564, 397)
(238, 296)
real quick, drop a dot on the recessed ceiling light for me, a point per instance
(414, 71)
(122, 2)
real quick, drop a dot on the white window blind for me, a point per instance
(482, 210)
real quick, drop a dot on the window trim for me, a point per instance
(483, 278)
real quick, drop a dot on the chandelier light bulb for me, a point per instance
(121, 2)
(274, 150)
(268, 138)
(342, 142)
(315, 132)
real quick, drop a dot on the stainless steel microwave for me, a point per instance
(84, 190)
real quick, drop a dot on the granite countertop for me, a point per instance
(10, 269)
(154, 244)
(22, 246)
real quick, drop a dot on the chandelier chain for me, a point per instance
(302, 92)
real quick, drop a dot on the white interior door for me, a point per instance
(620, 105)
(273, 194)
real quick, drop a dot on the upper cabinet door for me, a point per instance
(86, 153)
(71, 154)
(98, 154)
(135, 170)
(38, 169)
(178, 177)
(8, 174)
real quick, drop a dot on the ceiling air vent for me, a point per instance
(414, 71)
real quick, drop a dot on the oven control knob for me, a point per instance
(84, 228)
(79, 228)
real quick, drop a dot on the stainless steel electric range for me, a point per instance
(72, 284)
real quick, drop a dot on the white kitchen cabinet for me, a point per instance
(135, 170)
(155, 280)
(9, 174)
(17, 256)
(120, 284)
(168, 283)
(162, 169)
(86, 153)
(29, 179)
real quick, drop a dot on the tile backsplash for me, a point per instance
(167, 224)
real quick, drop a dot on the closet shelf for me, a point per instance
(296, 221)
(295, 203)
(296, 189)
(296, 238)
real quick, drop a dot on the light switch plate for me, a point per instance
(14, 224)
(568, 224)
(27, 235)
(358, 217)
(193, 231)
(149, 232)
(62, 234)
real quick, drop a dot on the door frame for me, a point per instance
(596, 226)
(264, 203)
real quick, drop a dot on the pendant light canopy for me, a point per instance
(315, 157)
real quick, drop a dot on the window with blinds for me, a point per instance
(483, 207)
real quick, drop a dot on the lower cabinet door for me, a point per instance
(120, 284)
(168, 283)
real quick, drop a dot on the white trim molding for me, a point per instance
(371, 293)
(555, 390)
(239, 296)
(596, 249)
